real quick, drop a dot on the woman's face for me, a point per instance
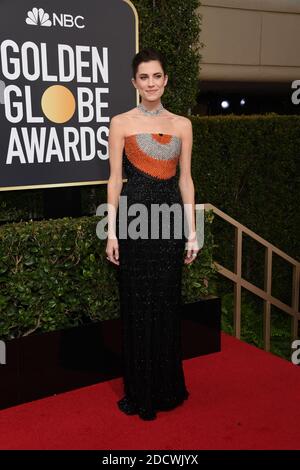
(150, 80)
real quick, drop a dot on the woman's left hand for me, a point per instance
(193, 249)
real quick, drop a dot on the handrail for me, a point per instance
(264, 294)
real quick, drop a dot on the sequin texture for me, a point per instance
(150, 274)
(154, 154)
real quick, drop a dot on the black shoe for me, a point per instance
(127, 406)
(170, 405)
(147, 415)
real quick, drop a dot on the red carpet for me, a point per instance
(241, 398)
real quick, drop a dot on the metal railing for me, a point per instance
(266, 293)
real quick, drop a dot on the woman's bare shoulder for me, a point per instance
(122, 120)
(182, 124)
(179, 119)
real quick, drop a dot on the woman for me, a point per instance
(150, 141)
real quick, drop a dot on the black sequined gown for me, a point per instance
(150, 274)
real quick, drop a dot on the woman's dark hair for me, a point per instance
(145, 55)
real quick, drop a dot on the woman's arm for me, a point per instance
(186, 184)
(114, 185)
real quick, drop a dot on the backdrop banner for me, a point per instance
(65, 69)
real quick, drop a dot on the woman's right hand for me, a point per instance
(112, 250)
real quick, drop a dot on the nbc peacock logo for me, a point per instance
(38, 16)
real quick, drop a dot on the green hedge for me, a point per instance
(54, 274)
(249, 168)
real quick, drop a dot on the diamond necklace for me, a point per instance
(150, 113)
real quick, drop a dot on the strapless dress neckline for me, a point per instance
(154, 133)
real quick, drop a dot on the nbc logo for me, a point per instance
(38, 16)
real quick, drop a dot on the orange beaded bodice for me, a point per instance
(154, 154)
